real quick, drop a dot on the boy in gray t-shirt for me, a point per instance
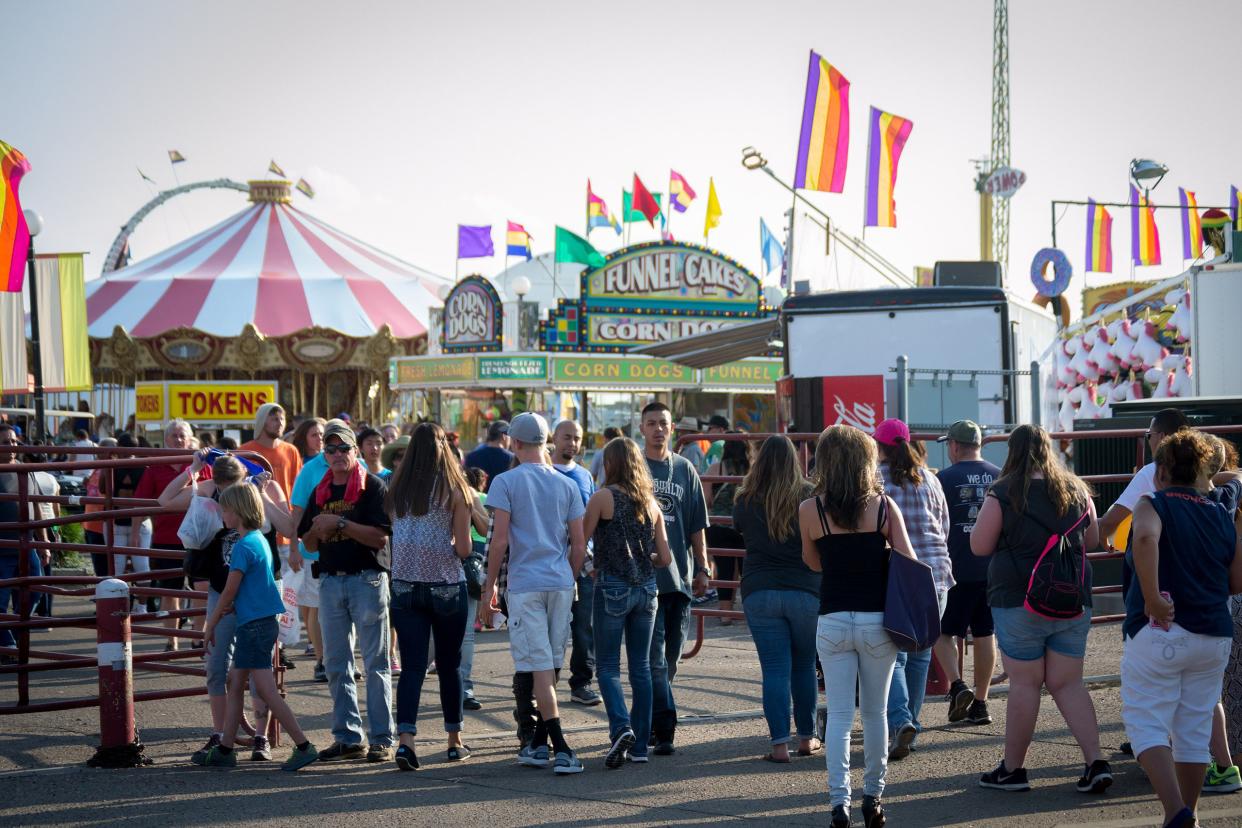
(538, 516)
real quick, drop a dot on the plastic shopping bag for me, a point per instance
(290, 624)
(201, 523)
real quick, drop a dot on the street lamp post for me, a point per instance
(34, 222)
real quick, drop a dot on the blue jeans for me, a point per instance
(672, 624)
(905, 696)
(626, 611)
(582, 657)
(9, 595)
(348, 603)
(857, 655)
(467, 648)
(782, 622)
(440, 609)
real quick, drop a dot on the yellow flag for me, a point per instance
(713, 209)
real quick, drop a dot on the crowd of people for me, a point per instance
(407, 539)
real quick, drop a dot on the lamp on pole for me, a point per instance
(34, 222)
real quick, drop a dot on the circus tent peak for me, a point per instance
(271, 265)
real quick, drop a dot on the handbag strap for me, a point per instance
(823, 517)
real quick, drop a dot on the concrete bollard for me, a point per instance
(118, 735)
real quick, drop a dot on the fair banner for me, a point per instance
(436, 371)
(513, 369)
(14, 373)
(758, 373)
(63, 343)
(635, 372)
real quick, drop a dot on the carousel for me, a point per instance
(269, 293)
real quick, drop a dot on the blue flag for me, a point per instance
(770, 249)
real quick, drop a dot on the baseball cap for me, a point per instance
(497, 429)
(964, 431)
(717, 421)
(529, 427)
(687, 424)
(340, 430)
(889, 432)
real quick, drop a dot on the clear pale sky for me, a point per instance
(409, 118)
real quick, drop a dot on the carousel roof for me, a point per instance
(271, 265)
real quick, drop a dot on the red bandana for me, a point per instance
(354, 487)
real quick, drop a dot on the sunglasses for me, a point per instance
(338, 449)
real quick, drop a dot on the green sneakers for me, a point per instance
(1218, 780)
(218, 759)
(300, 758)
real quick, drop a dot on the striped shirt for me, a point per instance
(926, 515)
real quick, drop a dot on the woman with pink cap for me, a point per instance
(917, 493)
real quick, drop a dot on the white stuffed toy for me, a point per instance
(1148, 352)
(1182, 320)
(1160, 380)
(1123, 342)
(1101, 352)
(1182, 384)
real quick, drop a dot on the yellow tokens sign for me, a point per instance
(149, 402)
(234, 402)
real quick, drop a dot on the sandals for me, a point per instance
(816, 747)
(458, 754)
(770, 758)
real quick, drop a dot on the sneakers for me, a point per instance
(1185, 818)
(873, 813)
(1097, 777)
(1126, 748)
(216, 758)
(664, 748)
(309, 652)
(341, 753)
(616, 754)
(394, 666)
(321, 675)
(534, 757)
(285, 661)
(585, 695)
(637, 758)
(201, 754)
(471, 703)
(840, 816)
(1222, 780)
(262, 751)
(300, 759)
(1007, 780)
(567, 763)
(903, 738)
(978, 713)
(406, 759)
(379, 753)
(960, 699)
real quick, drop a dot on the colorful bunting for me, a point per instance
(304, 187)
(629, 214)
(1099, 256)
(572, 248)
(517, 241)
(274, 168)
(824, 140)
(1144, 237)
(889, 133)
(679, 192)
(14, 235)
(644, 202)
(597, 213)
(1192, 231)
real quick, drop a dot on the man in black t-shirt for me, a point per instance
(346, 523)
(493, 456)
(966, 485)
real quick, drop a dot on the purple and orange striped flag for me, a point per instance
(1099, 256)
(1192, 229)
(680, 193)
(889, 133)
(1144, 237)
(1235, 199)
(14, 235)
(824, 140)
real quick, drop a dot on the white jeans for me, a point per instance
(1170, 684)
(854, 649)
(122, 536)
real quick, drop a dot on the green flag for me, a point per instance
(628, 213)
(571, 248)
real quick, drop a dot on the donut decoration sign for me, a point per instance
(1050, 274)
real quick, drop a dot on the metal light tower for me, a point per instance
(1000, 128)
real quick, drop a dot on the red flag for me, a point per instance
(643, 201)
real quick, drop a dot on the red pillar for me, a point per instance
(116, 677)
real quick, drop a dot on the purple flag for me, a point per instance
(474, 242)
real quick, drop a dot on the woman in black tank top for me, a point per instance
(848, 529)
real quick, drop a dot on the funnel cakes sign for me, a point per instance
(650, 293)
(473, 317)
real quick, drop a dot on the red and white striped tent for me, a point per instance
(271, 265)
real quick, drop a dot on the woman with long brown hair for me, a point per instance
(308, 437)
(917, 492)
(780, 593)
(627, 526)
(1036, 499)
(847, 530)
(429, 502)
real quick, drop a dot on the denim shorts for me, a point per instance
(253, 644)
(1025, 636)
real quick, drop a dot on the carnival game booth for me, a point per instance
(270, 293)
(496, 359)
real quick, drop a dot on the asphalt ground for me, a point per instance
(716, 775)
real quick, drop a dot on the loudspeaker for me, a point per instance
(967, 274)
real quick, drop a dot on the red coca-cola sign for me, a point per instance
(855, 401)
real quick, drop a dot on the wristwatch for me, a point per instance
(340, 523)
(702, 569)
